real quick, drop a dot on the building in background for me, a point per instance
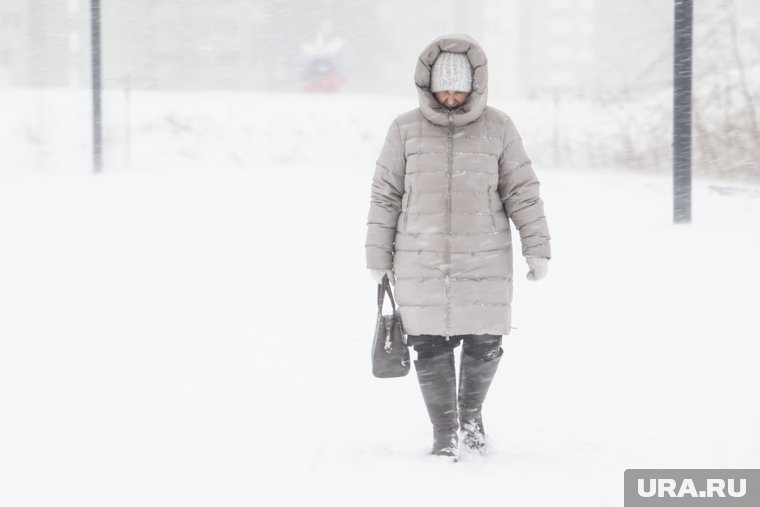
(44, 44)
(13, 26)
(534, 46)
(632, 47)
(556, 46)
(239, 44)
(503, 30)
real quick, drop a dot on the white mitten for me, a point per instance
(377, 275)
(539, 267)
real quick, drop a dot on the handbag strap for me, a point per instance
(382, 288)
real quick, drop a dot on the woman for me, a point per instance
(451, 175)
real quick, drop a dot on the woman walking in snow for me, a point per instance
(450, 176)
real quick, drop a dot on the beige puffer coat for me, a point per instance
(444, 185)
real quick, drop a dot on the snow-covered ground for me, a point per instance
(176, 337)
(49, 130)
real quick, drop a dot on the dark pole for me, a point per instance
(97, 127)
(682, 61)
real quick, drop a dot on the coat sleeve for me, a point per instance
(519, 190)
(385, 201)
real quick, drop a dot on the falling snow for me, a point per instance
(193, 325)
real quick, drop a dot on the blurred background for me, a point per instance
(192, 326)
(198, 83)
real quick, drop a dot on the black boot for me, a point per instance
(438, 383)
(475, 378)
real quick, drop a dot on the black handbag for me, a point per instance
(390, 354)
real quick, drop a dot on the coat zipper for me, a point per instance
(447, 243)
(490, 209)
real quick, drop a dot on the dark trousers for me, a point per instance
(480, 346)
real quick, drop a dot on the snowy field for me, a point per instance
(202, 337)
(48, 130)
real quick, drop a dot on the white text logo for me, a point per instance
(716, 488)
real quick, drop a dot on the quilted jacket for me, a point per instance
(446, 185)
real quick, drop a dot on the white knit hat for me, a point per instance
(451, 72)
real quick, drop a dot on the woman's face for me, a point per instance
(451, 99)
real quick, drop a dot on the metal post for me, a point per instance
(682, 65)
(97, 126)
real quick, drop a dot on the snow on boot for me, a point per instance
(445, 442)
(438, 383)
(475, 378)
(473, 432)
